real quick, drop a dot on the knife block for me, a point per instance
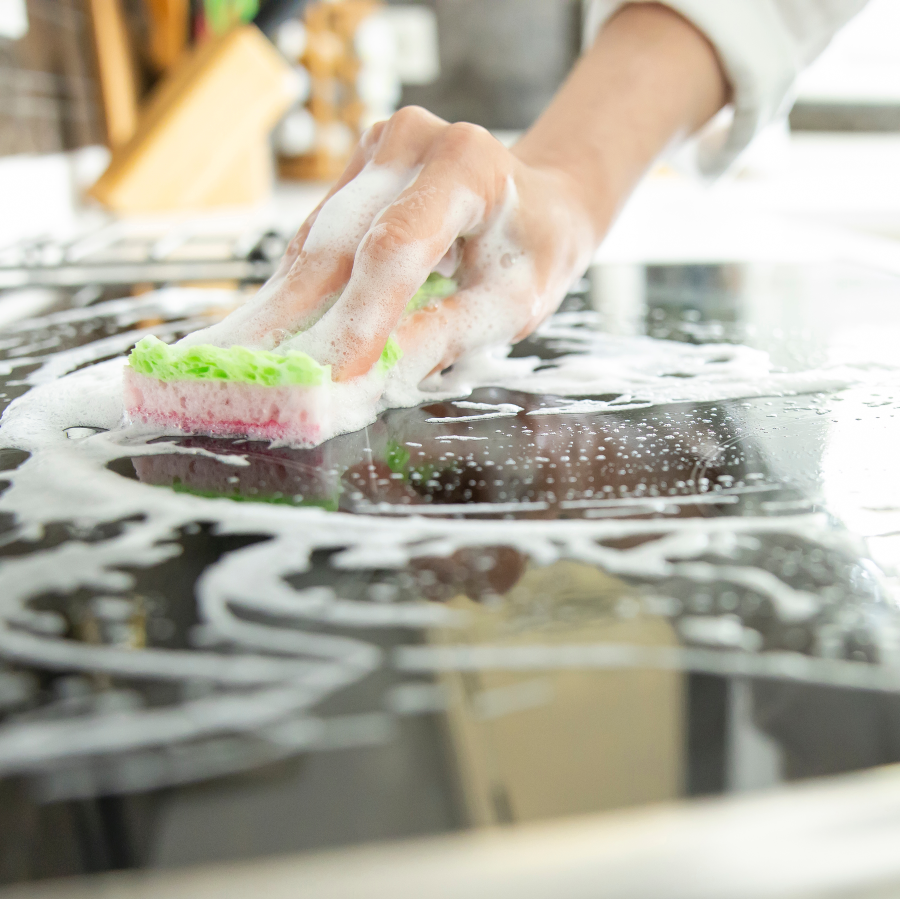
(202, 139)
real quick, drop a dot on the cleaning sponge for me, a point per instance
(239, 392)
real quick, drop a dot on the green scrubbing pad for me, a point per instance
(207, 363)
(436, 287)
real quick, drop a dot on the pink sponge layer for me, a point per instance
(295, 413)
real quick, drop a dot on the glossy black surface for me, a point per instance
(664, 652)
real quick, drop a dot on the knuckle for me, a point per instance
(409, 114)
(463, 137)
(386, 238)
(408, 120)
(372, 135)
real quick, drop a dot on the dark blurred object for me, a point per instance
(807, 116)
(707, 735)
(825, 730)
(273, 13)
(49, 94)
(501, 62)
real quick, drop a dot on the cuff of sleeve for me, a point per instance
(760, 59)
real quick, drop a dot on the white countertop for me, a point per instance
(796, 197)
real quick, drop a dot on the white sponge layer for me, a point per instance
(296, 413)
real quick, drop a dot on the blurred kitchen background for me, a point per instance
(167, 108)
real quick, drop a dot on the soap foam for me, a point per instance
(271, 317)
(502, 296)
(287, 659)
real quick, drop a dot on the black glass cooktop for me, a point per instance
(503, 608)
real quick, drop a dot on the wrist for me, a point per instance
(650, 79)
(584, 185)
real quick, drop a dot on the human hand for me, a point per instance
(421, 195)
(515, 227)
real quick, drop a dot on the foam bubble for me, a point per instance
(502, 294)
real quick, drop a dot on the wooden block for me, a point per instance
(116, 70)
(168, 26)
(202, 139)
(248, 180)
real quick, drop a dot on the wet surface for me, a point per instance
(503, 608)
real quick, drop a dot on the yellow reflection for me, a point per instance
(533, 745)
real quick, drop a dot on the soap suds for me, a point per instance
(66, 479)
(345, 295)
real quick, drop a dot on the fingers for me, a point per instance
(265, 320)
(319, 261)
(399, 142)
(354, 167)
(463, 180)
(435, 337)
(501, 304)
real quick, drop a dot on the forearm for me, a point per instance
(649, 79)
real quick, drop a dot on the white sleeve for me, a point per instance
(762, 44)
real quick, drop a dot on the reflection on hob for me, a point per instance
(443, 460)
(470, 612)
